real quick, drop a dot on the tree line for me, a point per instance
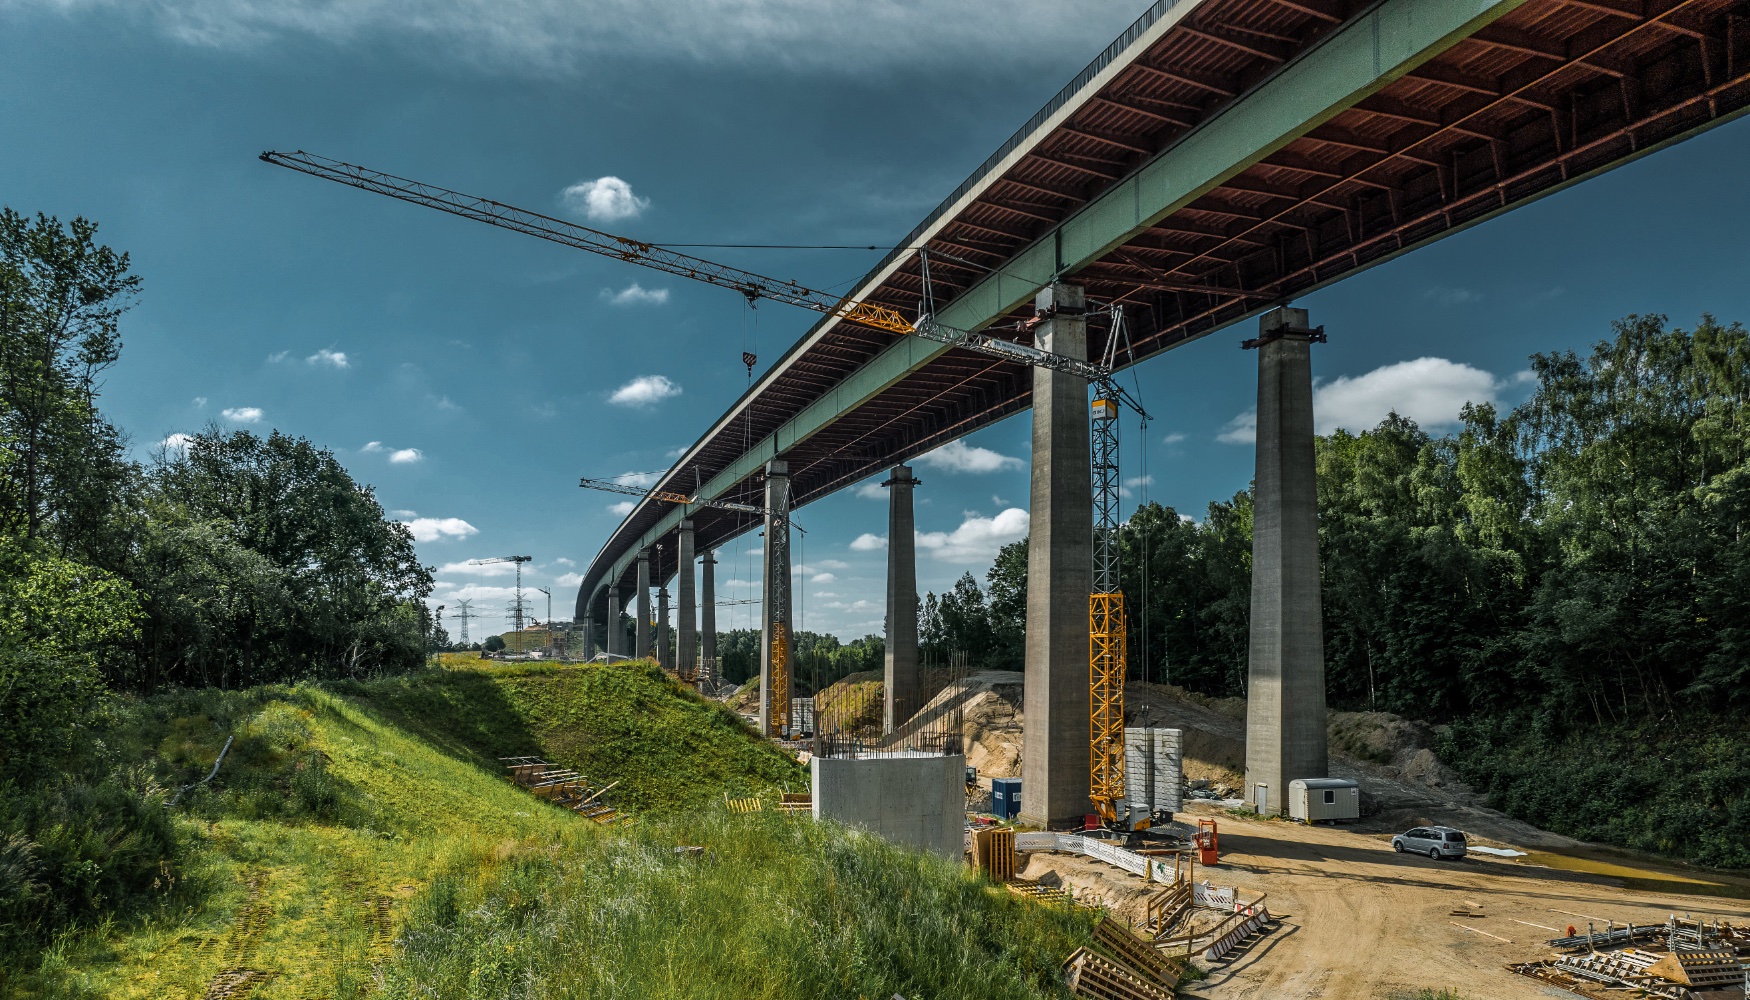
(227, 559)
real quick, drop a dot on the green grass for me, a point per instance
(774, 909)
(360, 839)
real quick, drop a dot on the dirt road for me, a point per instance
(1363, 922)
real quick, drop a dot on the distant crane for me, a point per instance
(517, 608)
(463, 615)
(1107, 622)
(549, 593)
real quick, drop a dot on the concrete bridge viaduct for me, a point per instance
(1218, 159)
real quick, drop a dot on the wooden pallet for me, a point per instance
(1092, 975)
(993, 852)
(1121, 944)
(1043, 893)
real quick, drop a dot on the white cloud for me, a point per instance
(833, 564)
(1140, 481)
(645, 390)
(551, 37)
(443, 403)
(822, 578)
(642, 480)
(635, 295)
(331, 358)
(486, 569)
(568, 580)
(1173, 438)
(605, 199)
(406, 456)
(1242, 429)
(372, 447)
(872, 490)
(1447, 296)
(243, 414)
(484, 596)
(404, 514)
(977, 539)
(278, 356)
(869, 543)
(622, 508)
(176, 444)
(958, 456)
(200, 402)
(562, 561)
(1429, 391)
(430, 529)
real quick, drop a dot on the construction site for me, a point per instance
(1218, 160)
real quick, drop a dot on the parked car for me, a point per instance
(1435, 841)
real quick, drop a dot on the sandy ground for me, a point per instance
(1358, 920)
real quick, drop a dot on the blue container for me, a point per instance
(1005, 797)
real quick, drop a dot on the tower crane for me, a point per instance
(1108, 632)
(517, 608)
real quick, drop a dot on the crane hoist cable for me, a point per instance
(750, 284)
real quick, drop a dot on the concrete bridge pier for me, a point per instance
(687, 645)
(641, 632)
(1285, 707)
(902, 602)
(1060, 573)
(775, 589)
(708, 617)
(615, 638)
(664, 652)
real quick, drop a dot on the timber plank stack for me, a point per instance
(565, 787)
(1121, 966)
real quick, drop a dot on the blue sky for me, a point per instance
(472, 374)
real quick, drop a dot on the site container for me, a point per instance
(1314, 800)
(1005, 797)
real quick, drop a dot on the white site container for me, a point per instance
(1169, 768)
(1312, 800)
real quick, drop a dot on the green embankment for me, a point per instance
(360, 839)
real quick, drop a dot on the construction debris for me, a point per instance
(565, 787)
(1121, 966)
(1702, 961)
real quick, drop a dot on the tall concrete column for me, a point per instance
(1060, 574)
(1285, 692)
(708, 616)
(902, 602)
(616, 637)
(641, 632)
(774, 588)
(586, 625)
(664, 652)
(687, 646)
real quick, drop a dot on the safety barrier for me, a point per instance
(1149, 869)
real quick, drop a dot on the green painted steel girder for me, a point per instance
(1342, 69)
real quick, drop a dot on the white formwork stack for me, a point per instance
(1154, 772)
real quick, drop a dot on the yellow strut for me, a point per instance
(779, 700)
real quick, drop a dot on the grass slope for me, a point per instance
(360, 840)
(773, 909)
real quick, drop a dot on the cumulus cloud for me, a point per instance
(562, 37)
(200, 402)
(645, 390)
(605, 199)
(872, 490)
(568, 580)
(243, 414)
(1242, 429)
(977, 539)
(278, 356)
(406, 456)
(642, 480)
(868, 543)
(1173, 438)
(635, 295)
(822, 578)
(372, 447)
(622, 508)
(562, 561)
(331, 358)
(430, 529)
(1430, 391)
(176, 444)
(466, 568)
(958, 456)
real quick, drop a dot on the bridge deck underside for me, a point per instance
(1551, 92)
